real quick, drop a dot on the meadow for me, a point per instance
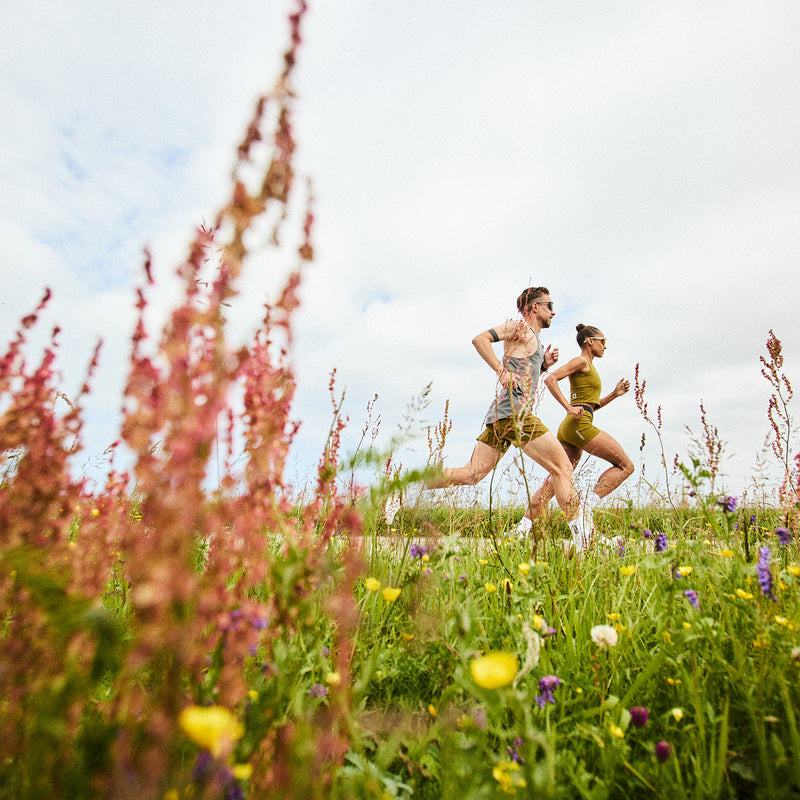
(163, 639)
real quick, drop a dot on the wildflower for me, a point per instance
(333, 678)
(318, 690)
(647, 533)
(728, 503)
(660, 542)
(390, 594)
(784, 536)
(242, 772)
(639, 716)
(794, 569)
(417, 550)
(547, 686)
(795, 654)
(627, 570)
(677, 713)
(764, 570)
(603, 636)
(726, 553)
(508, 587)
(691, 596)
(513, 751)
(524, 567)
(432, 710)
(506, 773)
(253, 695)
(682, 572)
(744, 595)
(541, 625)
(494, 670)
(617, 731)
(462, 578)
(490, 587)
(214, 728)
(372, 584)
(613, 616)
(663, 751)
(483, 562)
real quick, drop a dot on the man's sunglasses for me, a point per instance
(548, 303)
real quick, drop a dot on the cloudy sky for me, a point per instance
(639, 159)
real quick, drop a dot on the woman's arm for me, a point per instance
(577, 364)
(623, 384)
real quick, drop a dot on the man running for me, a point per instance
(510, 419)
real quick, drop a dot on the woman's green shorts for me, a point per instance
(577, 432)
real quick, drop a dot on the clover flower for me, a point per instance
(663, 751)
(318, 690)
(691, 596)
(660, 542)
(647, 533)
(728, 503)
(764, 570)
(784, 536)
(547, 686)
(603, 636)
(639, 716)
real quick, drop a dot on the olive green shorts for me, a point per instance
(505, 432)
(577, 432)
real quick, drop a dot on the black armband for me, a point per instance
(493, 334)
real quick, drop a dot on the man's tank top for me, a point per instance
(527, 371)
(584, 387)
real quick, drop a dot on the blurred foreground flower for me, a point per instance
(663, 751)
(547, 686)
(494, 670)
(784, 536)
(604, 636)
(390, 594)
(213, 728)
(764, 570)
(691, 596)
(372, 584)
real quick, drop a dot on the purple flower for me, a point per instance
(513, 751)
(647, 533)
(203, 766)
(660, 542)
(764, 570)
(462, 578)
(663, 751)
(691, 596)
(784, 536)
(318, 690)
(638, 716)
(417, 550)
(547, 686)
(621, 548)
(728, 503)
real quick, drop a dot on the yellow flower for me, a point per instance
(372, 584)
(781, 621)
(95, 512)
(613, 617)
(726, 553)
(744, 595)
(686, 624)
(628, 570)
(684, 571)
(794, 569)
(171, 794)
(494, 670)
(538, 622)
(677, 713)
(214, 728)
(506, 773)
(242, 772)
(432, 710)
(407, 636)
(253, 695)
(483, 562)
(426, 558)
(490, 587)
(524, 567)
(333, 678)
(508, 587)
(617, 731)
(673, 681)
(390, 594)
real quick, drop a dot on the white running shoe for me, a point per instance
(522, 528)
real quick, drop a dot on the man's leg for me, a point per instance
(544, 494)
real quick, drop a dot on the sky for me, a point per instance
(638, 159)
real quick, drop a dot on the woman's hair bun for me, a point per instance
(580, 327)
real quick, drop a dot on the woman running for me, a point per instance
(577, 433)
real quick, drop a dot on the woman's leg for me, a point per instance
(609, 449)
(548, 453)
